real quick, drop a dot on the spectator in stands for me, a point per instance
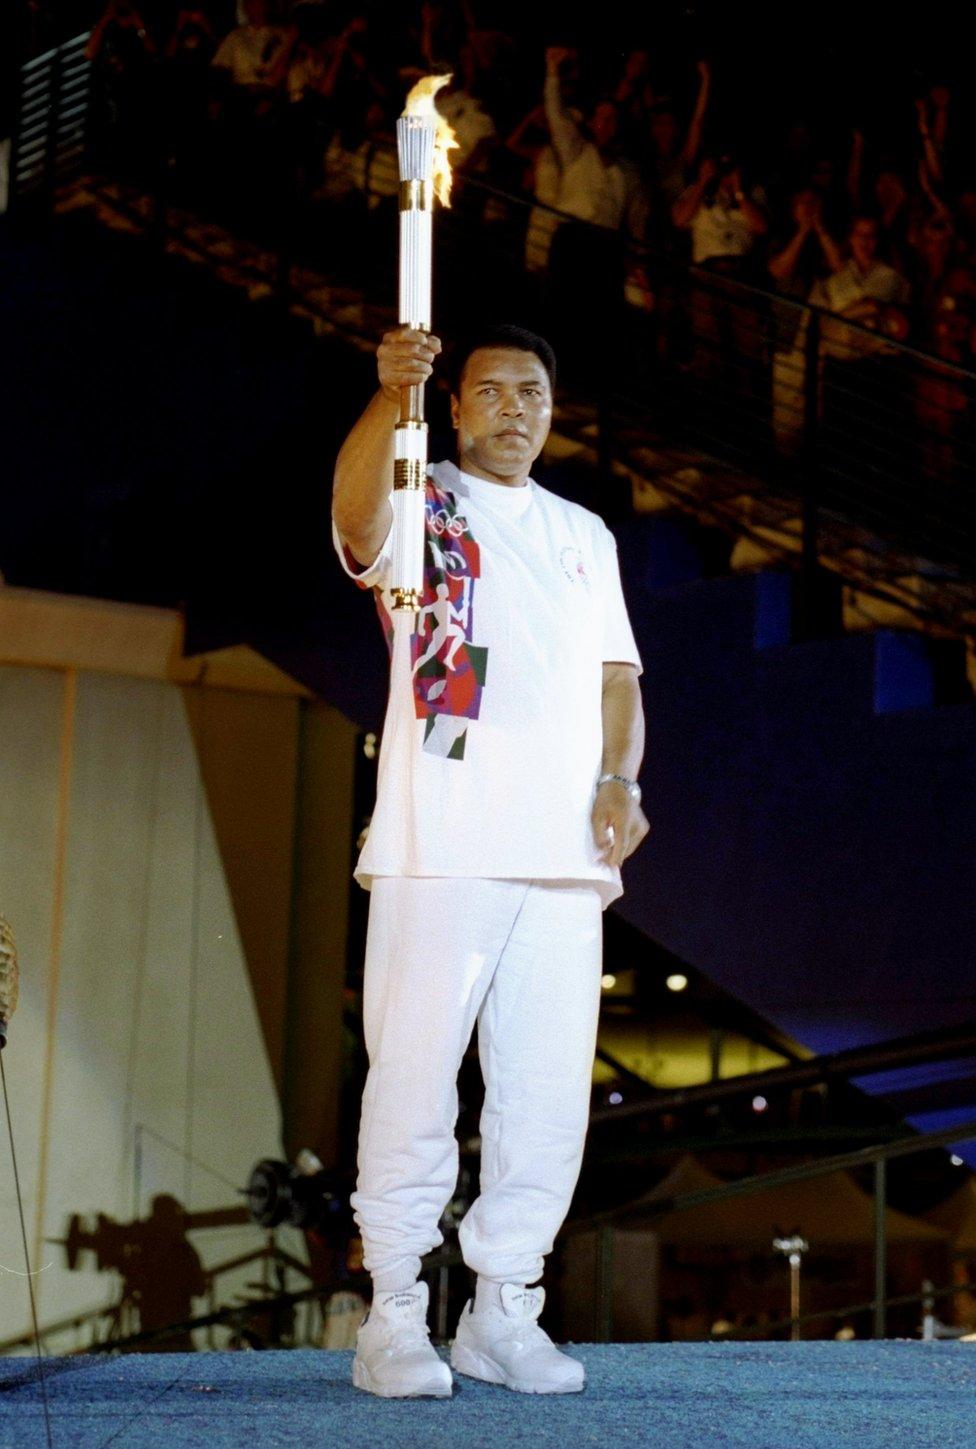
(866, 290)
(809, 254)
(891, 199)
(932, 111)
(863, 377)
(314, 65)
(254, 162)
(120, 37)
(488, 66)
(667, 162)
(255, 55)
(580, 174)
(474, 129)
(356, 78)
(192, 37)
(592, 185)
(943, 394)
(790, 164)
(124, 115)
(887, 196)
(964, 212)
(839, 190)
(186, 92)
(362, 159)
(933, 251)
(441, 33)
(526, 143)
(726, 217)
(309, 61)
(634, 94)
(589, 181)
(361, 183)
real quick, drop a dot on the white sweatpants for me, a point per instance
(523, 958)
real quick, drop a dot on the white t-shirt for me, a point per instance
(249, 52)
(721, 230)
(850, 284)
(493, 738)
(471, 123)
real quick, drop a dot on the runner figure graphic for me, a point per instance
(449, 626)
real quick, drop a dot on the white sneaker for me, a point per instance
(505, 1345)
(394, 1355)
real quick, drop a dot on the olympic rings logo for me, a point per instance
(441, 522)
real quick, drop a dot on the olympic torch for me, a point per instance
(423, 140)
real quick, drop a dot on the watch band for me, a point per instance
(631, 786)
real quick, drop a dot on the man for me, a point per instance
(725, 217)
(796, 262)
(864, 381)
(506, 804)
(255, 54)
(580, 174)
(865, 289)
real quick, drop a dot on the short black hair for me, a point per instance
(501, 334)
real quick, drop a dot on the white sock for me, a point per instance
(395, 1282)
(487, 1293)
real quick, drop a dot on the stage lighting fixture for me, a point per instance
(304, 1195)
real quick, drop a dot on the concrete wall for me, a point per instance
(157, 847)
(137, 1010)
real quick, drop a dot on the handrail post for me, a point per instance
(810, 515)
(51, 135)
(928, 1310)
(604, 1283)
(880, 1248)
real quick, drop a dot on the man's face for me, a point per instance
(822, 174)
(503, 412)
(664, 132)
(864, 242)
(806, 206)
(603, 123)
(966, 205)
(889, 190)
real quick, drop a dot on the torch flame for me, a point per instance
(420, 102)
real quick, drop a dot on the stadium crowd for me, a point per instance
(882, 229)
(668, 154)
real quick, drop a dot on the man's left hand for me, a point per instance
(619, 823)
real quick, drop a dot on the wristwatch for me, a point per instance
(631, 786)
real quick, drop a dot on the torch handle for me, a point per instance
(412, 404)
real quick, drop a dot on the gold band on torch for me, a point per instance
(417, 141)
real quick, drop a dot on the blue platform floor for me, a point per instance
(888, 1395)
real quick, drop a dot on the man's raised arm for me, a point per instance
(363, 479)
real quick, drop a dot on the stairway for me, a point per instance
(813, 805)
(813, 811)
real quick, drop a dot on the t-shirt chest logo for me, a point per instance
(573, 566)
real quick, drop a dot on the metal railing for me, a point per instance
(827, 441)
(604, 1224)
(920, 1049)
(50, 131)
